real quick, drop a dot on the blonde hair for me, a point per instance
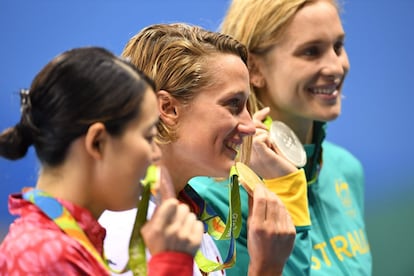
(176, 57)
(260, 24)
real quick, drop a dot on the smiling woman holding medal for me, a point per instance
(91, 118)
(202, 86)
(297, 64)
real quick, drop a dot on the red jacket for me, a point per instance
(35, 245)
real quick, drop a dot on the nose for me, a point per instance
(246, 125)
(336, 65)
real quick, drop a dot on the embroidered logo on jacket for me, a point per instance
(343, 193)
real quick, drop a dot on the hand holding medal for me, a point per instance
(271, 232)
(274, 149)
(172, 227)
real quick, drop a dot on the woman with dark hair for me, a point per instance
(91, 118)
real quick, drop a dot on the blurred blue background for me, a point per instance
(375, 123)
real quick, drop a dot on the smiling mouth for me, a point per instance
(324, 91)
(235, 147)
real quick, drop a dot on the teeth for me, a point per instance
(327, 91)
(234, 146)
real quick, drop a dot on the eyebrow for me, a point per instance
(239, 93)
(236, 94)
(319, 41)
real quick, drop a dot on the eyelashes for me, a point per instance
(338, 47)
(236, 105)
(318, 50)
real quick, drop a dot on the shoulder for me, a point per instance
(340, 164)
(37, 249)
(25, 238)
(214, 191)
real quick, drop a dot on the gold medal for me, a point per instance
(287, 144)
(247, 177)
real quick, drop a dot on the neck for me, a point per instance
(179, 173)
(71, 181)
(63, 184)
(303, 128)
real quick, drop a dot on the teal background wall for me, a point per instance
(376, 124)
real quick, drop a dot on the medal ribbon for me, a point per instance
(66, 222)
(214, 225)
(137, 262)
(315, 161)
(61, 216)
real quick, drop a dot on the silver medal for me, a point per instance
(287, 143)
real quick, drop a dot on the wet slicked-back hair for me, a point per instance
(176, 56)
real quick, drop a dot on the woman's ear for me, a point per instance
(256, 77)
(95, 139)
(168, 107)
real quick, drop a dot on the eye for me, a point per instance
(338, 47)
(235, 105)
(312, 51)
(151, 135)
(150, 139)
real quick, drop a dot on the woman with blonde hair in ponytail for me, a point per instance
(297, 65)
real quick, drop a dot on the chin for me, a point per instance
(325, 119)
(129, 207)
(331, 115)
(132, 200)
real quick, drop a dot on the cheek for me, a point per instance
(205, 128)
(134, 158)
(277, 76)
(143, 158)
(219, 123)
(142, 167)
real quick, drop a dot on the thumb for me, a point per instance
(261, 114)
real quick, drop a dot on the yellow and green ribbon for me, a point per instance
(137, 257)
(62, 217)
(213, 224)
